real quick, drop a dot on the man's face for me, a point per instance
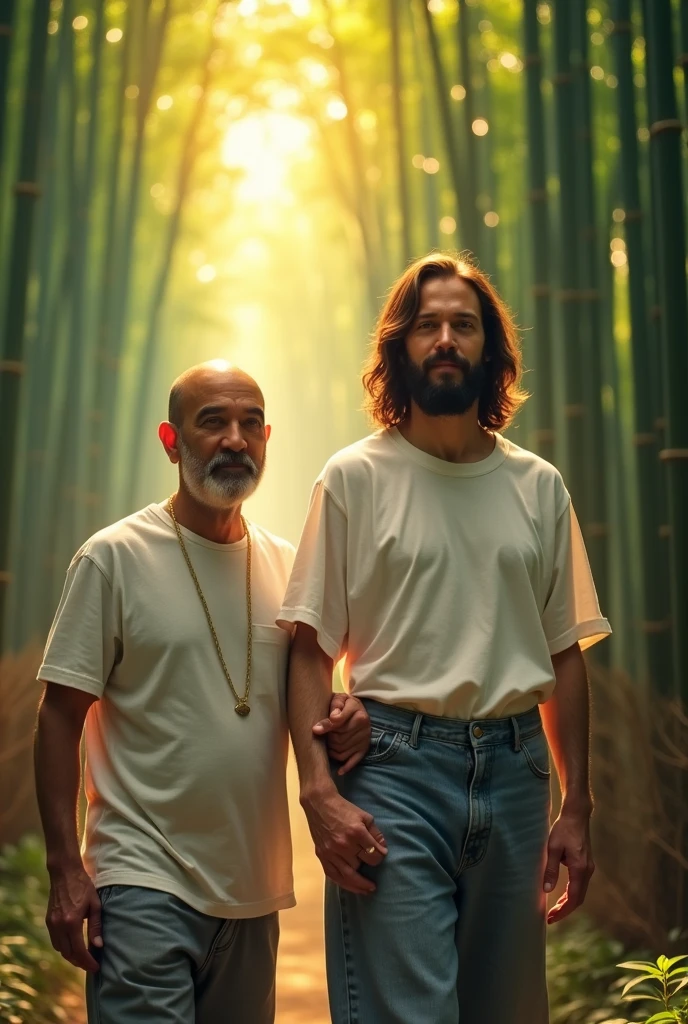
(221, 443)
(444, 368)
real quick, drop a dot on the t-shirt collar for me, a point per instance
(445, 468)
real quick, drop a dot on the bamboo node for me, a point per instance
(532, 58)
(562, 78)
(570, 295)
(591, 294)
(660, 423)
(670, 124)
(27, 188)
(573, 411)
(642, 439)
(597, 529)
(541, 291)
(621, 26)
(5, 577)
(656, 312)
(537, 195)
(655, 625)
(664, 531)
(682, 60)
(5, 30)
(12, 366)
(673, 454)
(634, 215)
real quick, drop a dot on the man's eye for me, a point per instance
(425, 325)
(253, 421)
(212, 421)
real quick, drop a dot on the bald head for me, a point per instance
(201, 384)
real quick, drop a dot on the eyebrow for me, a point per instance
(213, 410)
(466, 314)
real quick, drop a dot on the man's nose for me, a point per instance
(233, 439)
(446, 338)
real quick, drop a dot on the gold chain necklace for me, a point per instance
(242, 706)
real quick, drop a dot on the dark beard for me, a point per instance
(447, 397)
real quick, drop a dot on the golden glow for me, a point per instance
(597, 39)
(491, 219)
(510, 61)
(617, 244)
(52, 28)
(367, 120)
(480, 126)
(435, 6)
(447, 225)
(264, 145)
(612, 81)
(618, 215)
(431, 165)
(157, 190)
(336, 109)
(247, 7)
(131, 92)
(80, 23)
(619, 258)
(544, 13)
(458, 92)
(206, 273)
(597, 72)
(418, 160)
(114, 35)
(315, 72)
(164, 102)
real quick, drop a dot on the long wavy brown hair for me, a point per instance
(387, 396)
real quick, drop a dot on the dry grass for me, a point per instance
(19, 695)
(640, 776)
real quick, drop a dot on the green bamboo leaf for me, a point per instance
(663, 963)
(678, 985)
(642, 999)
(661, 1018)
(642, 965)
(677, 970)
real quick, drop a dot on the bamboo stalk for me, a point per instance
(12, 365)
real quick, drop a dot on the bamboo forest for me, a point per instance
(244, 180)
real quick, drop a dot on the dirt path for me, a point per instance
(301, 992)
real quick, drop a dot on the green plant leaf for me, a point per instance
(677, 970)
(631, 984)
(661, 1018)
(663, 963)
(638, 998)
(649, 969)
(675, 959)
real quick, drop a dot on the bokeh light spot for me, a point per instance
(206, 273)
(480, 126)
(491, 219)
(114, 35)
(447, 225)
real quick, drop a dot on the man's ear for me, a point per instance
(268, 431)
(167, 433)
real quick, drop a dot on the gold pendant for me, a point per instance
(242, 708)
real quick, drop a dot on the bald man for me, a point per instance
(165, 647)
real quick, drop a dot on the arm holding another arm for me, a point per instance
(342, 832)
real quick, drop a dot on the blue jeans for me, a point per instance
(163, 962)
(455, 931)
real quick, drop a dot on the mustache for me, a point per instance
(223, 459)
(447, 357)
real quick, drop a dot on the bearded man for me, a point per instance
(165, 646)
(445, 563)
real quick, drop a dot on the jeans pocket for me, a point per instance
(536, 753)
(384, 743)
(104, 894)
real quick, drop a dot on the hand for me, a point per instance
(569, 844)
(73, 897)
(343, 835)
(347, 730)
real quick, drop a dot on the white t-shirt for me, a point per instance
(183, 794)
(446, 586)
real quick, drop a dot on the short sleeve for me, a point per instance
(317, 594)
(572, 612)
(85, 635)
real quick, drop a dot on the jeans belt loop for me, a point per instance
(415, 730)
(517, 734)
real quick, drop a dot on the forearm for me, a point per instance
(58, 775)
(566, 719)
(308, 702)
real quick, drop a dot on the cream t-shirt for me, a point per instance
(183, 794)
(446, 586)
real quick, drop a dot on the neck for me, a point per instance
(452, 438)
(221, 525)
